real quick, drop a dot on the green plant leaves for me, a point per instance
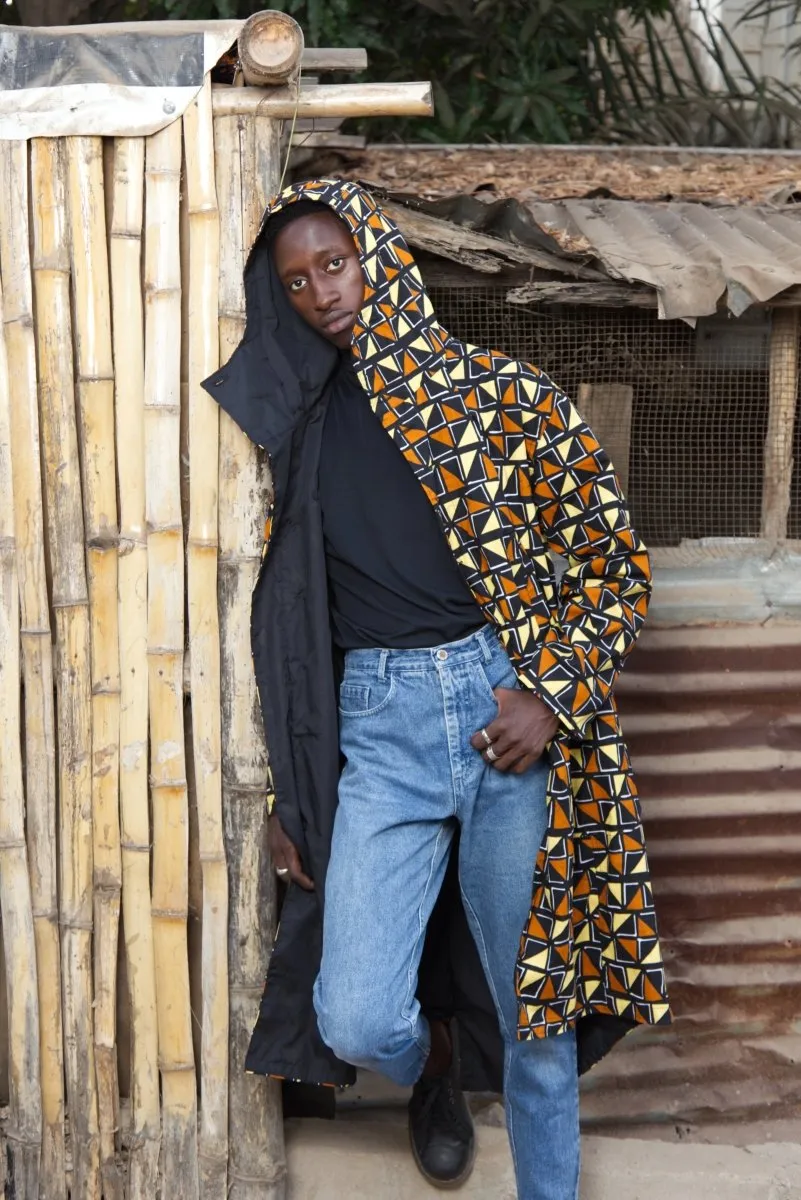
(550, 70)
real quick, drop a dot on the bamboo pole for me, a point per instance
(270, 46)
(24, 1137)
(204, 636)
(95, 381)
(778, 468)
(166, 661)
(317, 59)
(325, 100)
(73, 682)
(248, 166)
(37, 656)
(129, 350)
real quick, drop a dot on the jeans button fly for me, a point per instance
(442, 655)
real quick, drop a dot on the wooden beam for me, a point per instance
(556, 291)
(778, 469)
(248, 157)
(789, 298)
(326, 100)
(480, 251)
(617, 295)
(270, 48)
(607, 409)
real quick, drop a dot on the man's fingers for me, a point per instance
(478, 741)
(524, 764)
(288, 866)
(505, 741)
(505, 762)
(296, 872)
(496, 732)
(495, 728)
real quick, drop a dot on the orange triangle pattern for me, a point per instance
(514, 475)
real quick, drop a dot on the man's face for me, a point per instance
(316, 260)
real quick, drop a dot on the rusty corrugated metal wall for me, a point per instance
(712, 715)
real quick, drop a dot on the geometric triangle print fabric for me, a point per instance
(515, 475)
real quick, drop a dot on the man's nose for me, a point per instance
(325, 293)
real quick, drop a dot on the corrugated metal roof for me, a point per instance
(692, 255)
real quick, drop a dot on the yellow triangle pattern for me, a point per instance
(520, 477)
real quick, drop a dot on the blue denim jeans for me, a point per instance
(407, 717)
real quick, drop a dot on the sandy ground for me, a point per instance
(364, 1154)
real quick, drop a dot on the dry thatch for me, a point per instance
(531, 172)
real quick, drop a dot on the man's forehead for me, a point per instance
(310, 226)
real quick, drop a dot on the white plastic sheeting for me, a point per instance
(106, 80)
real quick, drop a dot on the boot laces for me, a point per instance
(440, 1107)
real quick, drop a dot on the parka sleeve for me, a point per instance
(604, 591)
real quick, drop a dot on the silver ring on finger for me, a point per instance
(282, 870)
(491, 755)
(486, 737)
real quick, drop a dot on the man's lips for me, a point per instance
(337, 322)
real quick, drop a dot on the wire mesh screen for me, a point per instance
(682, 412)
(794, 520)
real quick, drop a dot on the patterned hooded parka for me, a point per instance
(515, 477)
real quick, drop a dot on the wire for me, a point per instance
(291, 133)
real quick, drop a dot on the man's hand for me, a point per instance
(285, 855)
(519, 733)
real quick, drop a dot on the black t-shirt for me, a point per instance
(393, 582)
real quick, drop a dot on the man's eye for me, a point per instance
(297, 285)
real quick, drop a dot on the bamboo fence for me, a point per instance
(111, 593)
(137, 903)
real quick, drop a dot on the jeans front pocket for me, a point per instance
(365, 699)
(498, 674)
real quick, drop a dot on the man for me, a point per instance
(472, 744)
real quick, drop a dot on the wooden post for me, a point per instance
(204, 636)
(16, 910)
(73, 680)
(129, 356)
(166, 662)
(778, 463)
(95, 379)
(37, 656)
(326, 100)
(248, 167)
(270, 48)
(607, 409)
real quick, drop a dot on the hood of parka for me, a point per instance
(396, 339)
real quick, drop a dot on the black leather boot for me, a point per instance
(441, 1131)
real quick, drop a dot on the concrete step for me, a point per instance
(364, 1155)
